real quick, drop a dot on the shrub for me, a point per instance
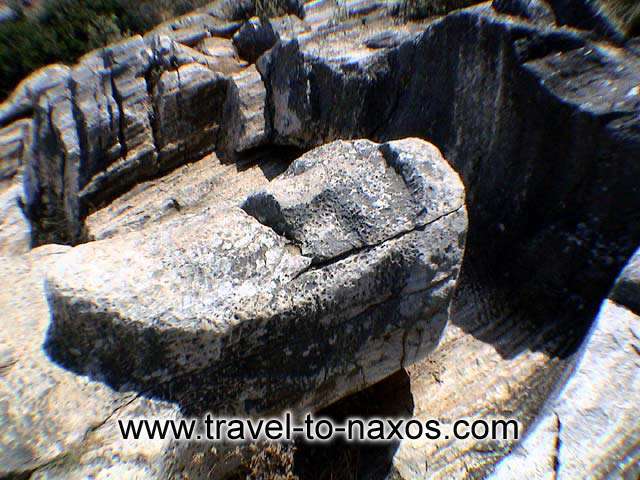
(64, 30)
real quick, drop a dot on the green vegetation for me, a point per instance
(64, 30)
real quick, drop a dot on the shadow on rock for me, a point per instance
(338, 460)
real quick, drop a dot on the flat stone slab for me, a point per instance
(332, 278)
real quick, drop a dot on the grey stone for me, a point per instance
(626, 291)
(21, 102)
(317, 97)
(15, 234)
(13, 143)
(207, 183)
(245, 124)
(254, 38)
(187, 308)
(189, 108)
(615, 19)
(50, 169)
(534, 10)
(224, 54)
(600, 402)
(53, 423)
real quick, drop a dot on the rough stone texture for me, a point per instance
(536, 457)
(507, 98)
(222, 51)
(49, 168)
(184, 309)
(317, 97)
(22, 101)
(110, 98)
(543, 106)
(533, 10)
(204, 184)
(15, 230)
(599, 402)
(254, 38)
(189, 106)
(541, 122)
(56, 424)
(495, 360)
(613, 18)
(133, 110)
(626, 291)
(218, 19)
(245, 121)
(12, 148)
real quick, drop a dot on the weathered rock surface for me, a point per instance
(15, 230)
(54, 423)
(626, 291)
(321, 91)
(613, 18)
(254, 38)
(540, 121)
(207, 183)
(492, 362)
(189, 105)
(12, 144)
(532, 10)
(599, 402)
(212, 308)
(246, 123)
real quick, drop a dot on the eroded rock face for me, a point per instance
(254, 38)
(55, 424)
(540, 121)
(15, 235)
(216, 309)
(599, 402)
(613, 18)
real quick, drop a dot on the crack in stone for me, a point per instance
(320, 264)
(150, 78)
(405, 337)
(557, 446)
(122, 406)
(109, 63)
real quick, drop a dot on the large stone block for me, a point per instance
(334, 277)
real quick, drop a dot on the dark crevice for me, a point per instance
(81, 131)
(151, 77)
(23, 114)
(272, 159)
(318, 264)
(340, 460)
(557, 446)
(121, 114)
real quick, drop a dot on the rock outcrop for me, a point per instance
(167, 156)
(599, 402)
(54, 423)
(348, 260)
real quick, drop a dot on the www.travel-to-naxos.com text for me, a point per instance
(310, 428)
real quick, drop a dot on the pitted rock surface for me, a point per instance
(216, 308)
